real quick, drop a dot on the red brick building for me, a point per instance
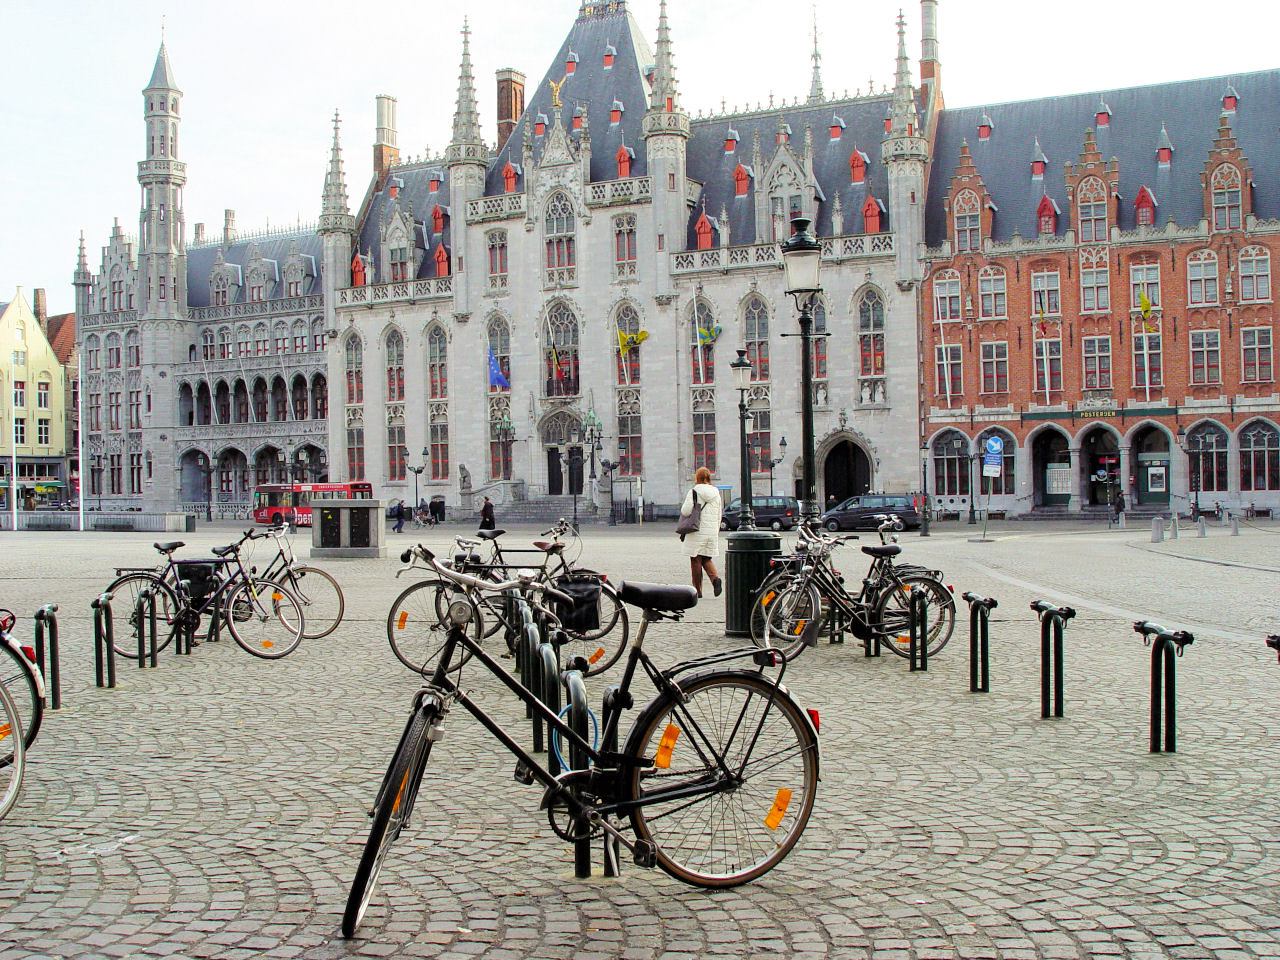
(1099, 295)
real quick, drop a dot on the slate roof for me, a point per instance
(594, 87)
(1189, 110)
(415, 189)
(200, 261)
(162, 75)
(863, 128)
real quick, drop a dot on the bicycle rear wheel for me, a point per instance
(265, 619)
(416, 629)
(747, 743)
(766, 593)
(321, 599)
(125, 590)
(390, 813)
(793, 609)
(11, 737)
(18, 677)
(892, 615)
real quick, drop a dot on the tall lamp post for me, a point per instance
(801, 259)
(97, 469)
(924, 486)
(592, 430)
(1189, 446)
(206, 468)
(741, 368)
(959, 445)
(417, 472)
(609, 466)
(773, 461)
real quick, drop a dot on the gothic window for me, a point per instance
(1226, 198)
(224, 343)
(559, 230)
(1207, 458)
(1144, 279)
(207, 349)
(499, 355)
(560, 352)
(951, 464)
(702, 230)
(395, 451)
(259, 401)
(1091, 202)
(497, 259)
(946, 296)
(1206, 356)
(319, 397)
(132, 350)
(992, 300)
(243, 342)
(871, 334)
(437, 363)
(624, 235)
(299, 332)
(818, 347)
(1202, 278)
(704, 433)
(355, 451)
(437, 219)
(628, 355)
(1046, 293)
(438, 439)
(220, 291)
(702, 335)
(630, 450)
(280, 337)
(395, 366)
(759, 435)
(113, 352)
(1144, 208)
(756, 332)
(93, 353)
(260, 342)
(968, 222)
(1255, 275)
(1259, 457)
(399, 257)
(501, 436)
(355, 370)
(1047, 216)
(857, 167)
(1095, 281)
(1003, 484)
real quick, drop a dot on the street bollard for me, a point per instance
(47, 620)
(185, 627)
(1201, 531)
(919, 615)
(1052, 620)
(1120, 521)
(1235, 527)
(1162, 679)
(979, 626)
(144, 618)
(526, 657)
(1157, 530)
(549, 695)
(1173, 527)
(579, 760)
(104, 650)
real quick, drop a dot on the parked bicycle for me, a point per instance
(716, 777)
(20, 676)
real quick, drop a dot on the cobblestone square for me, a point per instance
(214, 807)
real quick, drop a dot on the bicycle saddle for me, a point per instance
(882, 550)
(657, 596)
(169, 547)
(224, 551)
(549, 546)
(489, 534)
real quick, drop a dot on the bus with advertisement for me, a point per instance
(275, 503)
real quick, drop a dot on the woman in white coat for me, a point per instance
(703, 546)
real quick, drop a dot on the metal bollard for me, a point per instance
(1235, 526)
(1052, 620)
(104, 649)
(919, 610)
(183, 630)
(979, 629)
(1120, 521)
(549, 695)
(1200, 528)
(1173, 527)
(526, 656)
(144, 615)
(47, 621)
(578, 760)
(1163, 687)
(1157, 530)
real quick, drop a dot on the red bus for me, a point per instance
(276, 502)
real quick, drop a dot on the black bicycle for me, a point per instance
(716, 777)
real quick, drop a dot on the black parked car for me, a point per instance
(776, 513)
(860, 512)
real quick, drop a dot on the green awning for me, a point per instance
(49, 484)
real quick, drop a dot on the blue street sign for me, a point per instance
(993, 456)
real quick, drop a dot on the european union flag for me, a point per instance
(496, 379)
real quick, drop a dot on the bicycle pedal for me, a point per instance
(645, 854)
(523, 774)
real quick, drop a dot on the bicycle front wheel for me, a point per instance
(766, 593)
(739, 762)
(11, 737)
(125, 592)
(390, 813)
(416, 629)
(18, 677)
(264, 618)
(321, 599)
(793, 609)
(892, 614)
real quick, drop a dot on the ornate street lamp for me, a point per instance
(924, 486)
(1189, 446)
(609, 466)
(741, 368)
(801, 259)
(417, 472)
(206, 469)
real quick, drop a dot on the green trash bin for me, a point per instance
(746, 562)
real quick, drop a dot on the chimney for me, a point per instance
(40, 308)
(385, 151)
(510, 102)
(228, 226)
(199, 237)
(929, 65)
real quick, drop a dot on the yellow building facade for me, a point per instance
(32, 410)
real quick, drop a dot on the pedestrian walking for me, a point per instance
(1117, 506)
(486, 515)
(437, 510)
(703, 544)
(398, 512)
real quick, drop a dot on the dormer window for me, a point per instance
(1047, 216)
(731, 141)
(609, 54)
(703, 231)
(577, 119)
(437, 219)
(784, 134)
(509, 179)
(671, 104)
(888, 124)
(442, 261)
(741, 180)
(570, 63)
(623, 157)
(837, 128)
(871, 211)
(434, 184)
(1103, 116)
(540, 125)
(1144, 207)
(394, 185)
(615, 113)
(1164, 151)
(857, 167)
(1230, 99)
(984, 128)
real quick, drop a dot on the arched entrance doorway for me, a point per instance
(1099, 466)
(1051, 459)
(846, 472)
(1151, 465)
(562, 438)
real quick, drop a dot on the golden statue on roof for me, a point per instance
(555, 90)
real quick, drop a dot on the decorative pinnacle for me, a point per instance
(815, 86)
(664, 71)
(466, 118)
(334, 214)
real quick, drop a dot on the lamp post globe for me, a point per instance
(801, 261)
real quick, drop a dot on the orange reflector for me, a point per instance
(268, 643)
(901, 639)
(779, 809)
(799, 628)
(596, 656)
(667, 744)
(404, 617)
(5, 730)
(277, 597)
(768, 598)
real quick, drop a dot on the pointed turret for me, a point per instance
(666, 134)
(815, 85)
(162, 75)
(161, 225)
(902, 111)
(467, 145)
(665, 114)
(335, 216)
(905, 152)
(82, 280)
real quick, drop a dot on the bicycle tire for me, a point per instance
(276, 612)
(15, 768)
(795, 606)
(417, 633)
(127, 588)
(18, 677)
(772, 585)
(714, 825)
(311, 586)
(603, 646)
(390, 813)
(891, 615)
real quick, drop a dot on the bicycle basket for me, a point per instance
(583, 613)
(202, 575)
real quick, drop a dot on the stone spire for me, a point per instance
(902, 111)
(82, 262)
(815, 87)
(162, 75)
(467, 143)
(664, 70)
(334, 213)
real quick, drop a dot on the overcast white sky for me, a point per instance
(261, 80)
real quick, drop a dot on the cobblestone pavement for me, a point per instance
(214, 807)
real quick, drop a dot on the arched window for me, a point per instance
(319, 397)
(224, 343)
(968, 222)
(395, 366)
(1091, 203)
(437, 363)
(951, 464)
(756, 331)
(355, 450)
(501, 436)
(355, 370)
(1003, 484)
(703, 334)
(260, 342)
(438, 439)
(220, 291)
(818, 347)
(207, 349)
(1255, 275)
(1259, 457)
(244, 342)
(299, 397)
(1226, 198)
(628, 355)
(1202, 278)
(630, 449)
(702, 230)
(560, 352)
(499, 356)
(1207, 458)
(559, 229)
(280, 337)
(397, 455)
(1144, 207)
(871, 334)
(992, 299)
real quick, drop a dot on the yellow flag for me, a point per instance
(1144, 303)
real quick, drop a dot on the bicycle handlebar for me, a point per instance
(466, 580)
